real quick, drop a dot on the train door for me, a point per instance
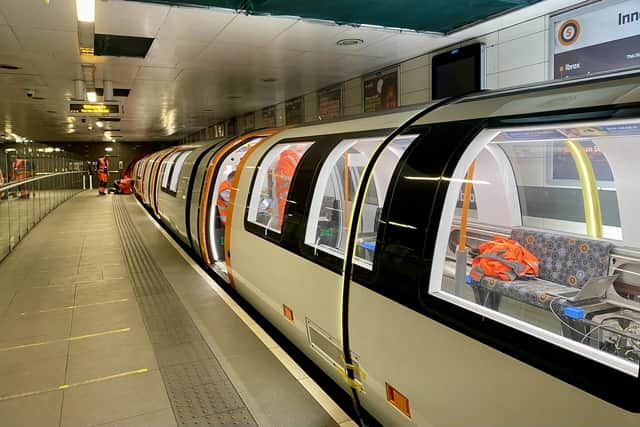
(221, 180)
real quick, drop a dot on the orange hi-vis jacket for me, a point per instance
(285, 168)
(504, 259)
(224, 194)
(20, 169)
(103, 169)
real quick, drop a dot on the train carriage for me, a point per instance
(362, 241)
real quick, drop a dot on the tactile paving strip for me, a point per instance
(200, 392)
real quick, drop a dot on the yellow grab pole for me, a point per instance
(590, 196)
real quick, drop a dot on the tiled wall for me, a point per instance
(515, 56)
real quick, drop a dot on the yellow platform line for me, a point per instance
(68, 386)
(71, 307)
(80, 337)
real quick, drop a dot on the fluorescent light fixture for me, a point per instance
(92, 96)
(99, 124)
(86, 10)
(108, 149)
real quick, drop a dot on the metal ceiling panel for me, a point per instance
(439, 16)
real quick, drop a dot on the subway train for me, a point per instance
(357, 239)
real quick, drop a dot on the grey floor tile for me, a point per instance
(32, 377)
(113, 400)
(106, 317)
(12, 358)
(99, 294)
(136, 336)
(111, 361)
(34, 328)
(163, 418)
(33, 411)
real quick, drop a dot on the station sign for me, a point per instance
(600, 37)
(82, 108)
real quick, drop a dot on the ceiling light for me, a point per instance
(92, 96)
(86, 10)
(9, 67)
(108, 149)
(100, 124)
(269, 79)
(349, 42)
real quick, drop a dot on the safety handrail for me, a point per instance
(14, 184)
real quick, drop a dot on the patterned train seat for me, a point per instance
(565, 262)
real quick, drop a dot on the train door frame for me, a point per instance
(208, 190)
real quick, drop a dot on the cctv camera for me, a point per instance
(30, 93)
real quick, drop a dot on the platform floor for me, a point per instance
(104, 322)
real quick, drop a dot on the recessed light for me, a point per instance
(9, 67)
(349, 42)
(234, 97)
(269, 79)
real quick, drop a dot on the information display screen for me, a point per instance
(457, 72)
(94, 108)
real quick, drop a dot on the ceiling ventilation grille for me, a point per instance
(127, 46)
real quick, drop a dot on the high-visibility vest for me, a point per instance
(124, 186)
(504, 259)
(285, 169)
(103, 169)
(103, 165)
(224, 194)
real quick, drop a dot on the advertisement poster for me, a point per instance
(330, 103)
(381, 91)
(231, 126)
(294, 111)
(564, 167)
(269, 117)
(600, 37)
(249, 121)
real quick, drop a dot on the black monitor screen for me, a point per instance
(457, 72)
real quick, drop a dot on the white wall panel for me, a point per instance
(310, 107)
(417, 97)
(280, 118)
(353, 96)
(521, 76)
(520, 52)
(523, 29)
(414, 80)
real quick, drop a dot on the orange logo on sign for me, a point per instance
(569, 32)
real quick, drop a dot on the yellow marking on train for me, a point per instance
(81, 383)
(70, 307)
(80, 337)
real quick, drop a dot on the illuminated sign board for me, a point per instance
(94, 108)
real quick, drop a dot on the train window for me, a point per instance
(177, 169)
(554, 247)
(375, 198)
(334, 193)
(271, 186)
(166, 171)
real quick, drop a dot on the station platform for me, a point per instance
(106, 321)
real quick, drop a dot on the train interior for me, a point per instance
(272, 182)
(228, 164)
(565, 193)
(332, 201)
